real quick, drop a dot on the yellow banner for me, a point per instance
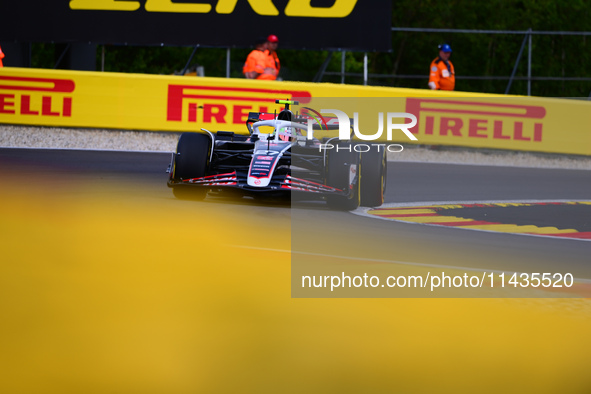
(515, 123)
(178, 103)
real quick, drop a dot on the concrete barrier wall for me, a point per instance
(177, 103)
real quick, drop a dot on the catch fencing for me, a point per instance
(527, 49)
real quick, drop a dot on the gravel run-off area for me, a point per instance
(18, 136)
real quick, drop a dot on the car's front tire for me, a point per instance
(191, 161)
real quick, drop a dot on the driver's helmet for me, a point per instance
(286, 133)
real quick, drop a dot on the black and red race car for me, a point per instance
(283, 154)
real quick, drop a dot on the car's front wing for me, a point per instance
(279, 183)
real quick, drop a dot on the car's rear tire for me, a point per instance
(339, 166)
(374, 167)
(191, 161)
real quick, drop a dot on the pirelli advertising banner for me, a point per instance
(300, 24)
(404, 116)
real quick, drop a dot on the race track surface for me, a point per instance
(130, 173)
(110, 284)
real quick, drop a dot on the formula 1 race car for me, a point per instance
(279, 156)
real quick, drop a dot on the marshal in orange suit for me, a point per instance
(442, 75)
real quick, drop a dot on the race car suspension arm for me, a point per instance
(227, 155)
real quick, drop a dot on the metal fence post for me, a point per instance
(365, 68)
(529, 49)
(322, 70)
(59, 60)
(516, 63)
(190, 59)
(343, 66)
(228, 63)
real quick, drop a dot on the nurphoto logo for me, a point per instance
(345, 134)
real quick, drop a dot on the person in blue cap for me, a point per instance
(442, 75)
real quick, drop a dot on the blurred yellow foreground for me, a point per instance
(103, 292)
